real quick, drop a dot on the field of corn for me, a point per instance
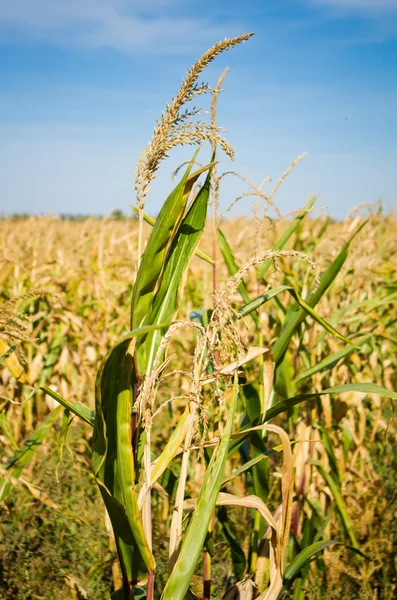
(198, 406)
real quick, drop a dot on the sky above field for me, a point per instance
(82, 82)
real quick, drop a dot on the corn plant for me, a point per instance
(253, 370)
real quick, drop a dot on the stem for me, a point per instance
(214, 248)
(140, 236)
(126, 583)
(135, 423)
(126, 588)
(207, 563)
(150, 586)
(207, 576)
(147, 506)
(177, 515)
(254, 542)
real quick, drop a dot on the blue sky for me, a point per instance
(82, 81)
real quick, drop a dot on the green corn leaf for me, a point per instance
(186, 238)
(113, 462)
(341, 506)
(304, 305)
(152, 221)
(153, 257)
(333, 462)
(260, 300)
(25, 454)
(77, 408)
(286, 236)
(368, 388)
(247, 466)
(253, 409)
(291, 323)
(285, 405)
(303, 559)
(52, 355)
(232, 268)
(305, 556)
(237, 553)
(194, 538)
(332, 359)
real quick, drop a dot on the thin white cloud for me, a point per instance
(363, 6)
(127, 25)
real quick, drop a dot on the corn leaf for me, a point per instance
(77, 408)
(253, 409)
(24, 455)
(304, 305)
(294, 320)
(237, 554)
(246, 431)
(332, 359)
(199, 253)
(232, 268)
(172, 447)
(247, 466)
(113, 461)
(368, 388)
(341, 506)
(151, 221)
(286, 236)
(186, 238)
(154, 255)
(304, 557)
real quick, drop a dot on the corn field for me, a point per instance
(198, 406)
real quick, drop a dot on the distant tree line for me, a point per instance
(116, 214)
